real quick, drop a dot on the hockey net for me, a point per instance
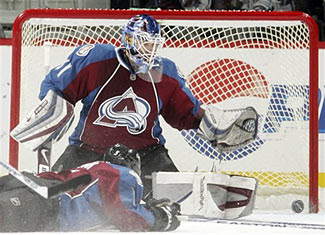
(232, 59)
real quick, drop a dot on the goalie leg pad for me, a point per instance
(241, 196)
(201, 194)
(49, 120)
(208, 194)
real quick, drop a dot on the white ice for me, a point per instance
(190, 228)
(211, 227)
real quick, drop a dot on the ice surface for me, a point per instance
(234, 229)
(211, 227)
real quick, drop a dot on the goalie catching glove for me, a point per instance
(165, 214)
(229, 130)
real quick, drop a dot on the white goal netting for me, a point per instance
(264, 63)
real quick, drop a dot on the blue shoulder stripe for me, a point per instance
(61, 76)
(81, 58)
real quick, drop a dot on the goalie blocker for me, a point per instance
(210, 195)
(49, 120)
(229, 130)
(46, 124)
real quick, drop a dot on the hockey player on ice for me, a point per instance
(123, 92)
(112, 198)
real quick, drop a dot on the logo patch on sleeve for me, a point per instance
(84, 50)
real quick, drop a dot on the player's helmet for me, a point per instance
(142, 38)
(122, 155)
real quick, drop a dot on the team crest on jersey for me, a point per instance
(127, 110)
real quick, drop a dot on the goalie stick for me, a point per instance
(44, 157)
(52, 191)
(252, 222)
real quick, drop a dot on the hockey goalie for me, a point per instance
(123, 91)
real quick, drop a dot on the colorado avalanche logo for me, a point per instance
(127, 110)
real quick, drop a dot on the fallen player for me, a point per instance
(113, 197)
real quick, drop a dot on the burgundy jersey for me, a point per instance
(116, 107)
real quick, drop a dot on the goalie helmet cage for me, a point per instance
(268, 60)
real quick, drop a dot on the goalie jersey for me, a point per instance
(116, 107)
(112, 198)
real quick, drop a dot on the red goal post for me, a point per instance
(265, 59)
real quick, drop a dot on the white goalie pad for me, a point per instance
(240, 197)
(210, 194)
(49, 120)
(200, 194)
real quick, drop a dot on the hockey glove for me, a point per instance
(229, 130)
(165, 214)
(49, 120)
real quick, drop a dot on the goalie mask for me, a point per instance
(142, 39)
(120, 154)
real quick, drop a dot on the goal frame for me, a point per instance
(177, 15)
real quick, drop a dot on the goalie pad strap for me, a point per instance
(241, 196)
(49, 120)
